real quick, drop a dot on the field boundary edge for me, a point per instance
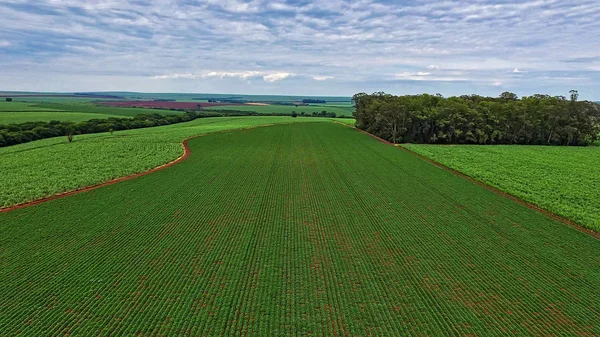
(493, 189)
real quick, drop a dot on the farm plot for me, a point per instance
(162, 104)
(563, 180)
(287, 109)
(46, 116)
(288, 230)
(21, 112)
(21, 107)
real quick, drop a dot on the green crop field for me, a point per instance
(46, 116)
(74, 110)
(21, 106)
(305, 229)
(32, 170)
(97, 109)
(340, 111)
(563, 180)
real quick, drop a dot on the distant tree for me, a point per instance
(8, 99)
(574, 95)
(294, 114)
(509, 96)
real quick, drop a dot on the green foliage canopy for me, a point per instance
(473, 119)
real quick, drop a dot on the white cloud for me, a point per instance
(276, 77)
(322, 78)
(517, 71)
(175, 76)
(242, 75)
(4, 43)
(423, 73)
(433, 67)
(422, 76)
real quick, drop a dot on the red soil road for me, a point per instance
(164, 105)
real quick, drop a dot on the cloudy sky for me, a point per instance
(328, 47)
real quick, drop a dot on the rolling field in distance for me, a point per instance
(92, 108)
(21, 107)
(179, 97)
(309, 109)
(46, 116)
(75, 111)
(563, 180)
(289, 230)
(31, 171)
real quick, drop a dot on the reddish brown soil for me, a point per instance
(490, 188)
(58, 95)
(163, 105)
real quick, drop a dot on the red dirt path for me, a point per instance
(164, 105)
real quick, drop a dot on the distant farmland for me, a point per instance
(68, 109)
(338, 109)
(288, 109)
(301, 229)
(163, 104)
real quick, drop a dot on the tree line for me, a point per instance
(12, 134)
(473, 119)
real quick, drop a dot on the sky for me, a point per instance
(327, 47)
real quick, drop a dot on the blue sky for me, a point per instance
(329, 47)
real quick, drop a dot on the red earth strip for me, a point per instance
(490, 188)
(186, 153)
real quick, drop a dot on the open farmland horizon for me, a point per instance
(174, 96)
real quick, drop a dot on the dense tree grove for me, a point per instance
(12, 134)
(538, 119)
